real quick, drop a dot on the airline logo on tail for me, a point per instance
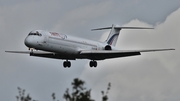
(111, 40)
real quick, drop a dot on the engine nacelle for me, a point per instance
(108, 47)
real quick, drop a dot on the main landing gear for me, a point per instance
(67, 64)
(93, 63)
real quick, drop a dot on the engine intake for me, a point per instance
(108, 47)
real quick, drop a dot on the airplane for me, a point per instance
(61, 46)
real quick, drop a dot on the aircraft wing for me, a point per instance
(28, 52)
(88, 54)
(106, 54)
(45, 54)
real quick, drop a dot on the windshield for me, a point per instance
(35, 33)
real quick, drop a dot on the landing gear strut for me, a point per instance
(31, 51)
(67, 64)
(93, 63)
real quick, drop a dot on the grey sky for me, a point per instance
(151, 76)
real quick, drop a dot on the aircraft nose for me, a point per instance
(28, 42)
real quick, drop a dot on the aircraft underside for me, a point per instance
(92, 57)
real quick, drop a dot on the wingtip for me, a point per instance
(172, 49)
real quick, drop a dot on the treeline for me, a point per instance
(78, 93)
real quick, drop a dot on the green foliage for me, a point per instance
(79, 92)
(54, 97)
(22, 96)
(104, 95)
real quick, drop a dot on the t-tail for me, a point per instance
(113, 36)
(115, 31)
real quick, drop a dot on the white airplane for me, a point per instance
(61, 46)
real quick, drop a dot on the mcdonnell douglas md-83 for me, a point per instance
(61, 46)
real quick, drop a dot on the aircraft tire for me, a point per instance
(93, 64)
(65, 64)
(68, 64)
(90, 64)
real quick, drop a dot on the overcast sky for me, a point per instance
(149, 77)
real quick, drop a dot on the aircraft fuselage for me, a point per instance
(61, 43)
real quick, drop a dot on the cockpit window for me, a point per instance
(36, 33)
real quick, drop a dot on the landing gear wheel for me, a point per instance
(67, 64)
(93, 63)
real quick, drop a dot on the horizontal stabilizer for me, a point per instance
(122, 28)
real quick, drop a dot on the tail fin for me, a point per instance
(113, 36)
(114, 33)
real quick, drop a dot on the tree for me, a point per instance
(104, 95)
(79, 92)
(54, 97)
(22, 96)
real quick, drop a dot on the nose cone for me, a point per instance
(28, 42)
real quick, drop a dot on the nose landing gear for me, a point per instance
(31, 51)
(93, 63)
(67, 64)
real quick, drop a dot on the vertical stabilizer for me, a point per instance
(113, 36)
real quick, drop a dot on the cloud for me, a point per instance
(30, 73)
(18, 18)
(151, 76)
(83, 15)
